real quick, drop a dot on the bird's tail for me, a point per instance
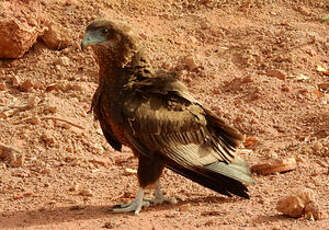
(221, 177)
(237, 170)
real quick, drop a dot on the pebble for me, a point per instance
(190, 63)
(86, 192)
(276, 73)
(26, 85)
(324, 86)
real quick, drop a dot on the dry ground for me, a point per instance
(238, 46)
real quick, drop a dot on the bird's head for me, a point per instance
(112, 42)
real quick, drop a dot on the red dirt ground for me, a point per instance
(238, 46)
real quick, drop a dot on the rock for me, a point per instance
(86, 192)
(276, 73)
(299, 203)
(103, 161)
(312, 211)
(250, 142)
(277, 166)
(55, 37)
(20, 26)
(26, 86)
(109, 225)
(15, 81)
(305, 11)
(49, 108)
(51, 87)
(33, 120)
(237, 83)
(324, 86)
(190, 63)
(130, 171)
(73, 188)
(2, 86)
(11, 155)
(64, 61)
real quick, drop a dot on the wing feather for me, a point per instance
(174, 126)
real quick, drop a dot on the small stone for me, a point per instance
(51, 87)
(55, 37)
(324, 86)
(51, 109)
(33, 120)
(305, 11)
(37, 85)
(49, 140)
(129, 171)
(276, 73)
(299, 203)
(237, 83)
(109, 225)
(317, 146)
(64, 61)
(2, 86)
(26, 85)
(86, 192)
(312, 211)
(190, 63)
(274, 155)
(12, 156)
(16, 81)
(73, 188)
(105, 162)
(165, 16)
(277, 166)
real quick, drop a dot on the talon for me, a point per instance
(135, 206)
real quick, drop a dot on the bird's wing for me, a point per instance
(96, 107)
(162, 118)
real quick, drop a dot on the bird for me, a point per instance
(152, 112)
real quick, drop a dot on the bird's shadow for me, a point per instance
(72, 213)
(272, 219)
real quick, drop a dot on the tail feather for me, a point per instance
(237, 170)
(211, 179)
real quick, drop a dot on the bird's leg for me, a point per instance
(134, 206)
(159, 197)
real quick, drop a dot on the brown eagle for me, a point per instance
(152, 113)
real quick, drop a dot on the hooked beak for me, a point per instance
(92, 38)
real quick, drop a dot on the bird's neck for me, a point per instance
(110, 69)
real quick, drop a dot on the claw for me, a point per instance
(139, 202)
(134, 206)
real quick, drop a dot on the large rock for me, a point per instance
(20, 26)
(21, 23)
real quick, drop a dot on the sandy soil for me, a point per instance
(257, 68)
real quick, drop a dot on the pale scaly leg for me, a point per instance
(159, 197)
(134, 206)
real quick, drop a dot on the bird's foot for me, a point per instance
(134, 206)
(160, 200)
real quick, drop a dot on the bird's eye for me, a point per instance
(105, 31)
